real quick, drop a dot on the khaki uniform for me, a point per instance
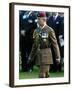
(43, 39)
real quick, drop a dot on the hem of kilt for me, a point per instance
(45, 64)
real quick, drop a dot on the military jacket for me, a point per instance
(43, 39)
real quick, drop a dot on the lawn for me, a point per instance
(35, 72)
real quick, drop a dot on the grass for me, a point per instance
(34, 74)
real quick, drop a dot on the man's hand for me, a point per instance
(58, 61)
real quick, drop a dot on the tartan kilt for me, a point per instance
(44, 56)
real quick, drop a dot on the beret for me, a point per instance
(41, 14)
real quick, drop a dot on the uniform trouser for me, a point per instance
(44, 71)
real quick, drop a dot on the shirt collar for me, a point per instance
(55, 16)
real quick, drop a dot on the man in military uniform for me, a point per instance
(44, 37)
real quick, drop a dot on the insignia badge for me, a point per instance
(44, 35)
(44, 40)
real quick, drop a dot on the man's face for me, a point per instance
(41, 21)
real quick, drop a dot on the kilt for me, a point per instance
(44, 57)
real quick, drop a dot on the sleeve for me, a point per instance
(34, 47)
(54, 44)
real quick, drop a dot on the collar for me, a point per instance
(42, 26)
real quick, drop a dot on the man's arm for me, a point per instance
(34, 47)
(55, 45)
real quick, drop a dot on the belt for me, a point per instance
(44, 47)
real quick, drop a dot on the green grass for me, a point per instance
(34, 74)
